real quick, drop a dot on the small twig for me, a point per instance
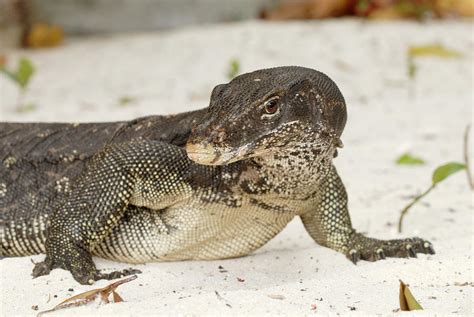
(466, 156)
(226, 302)
(20, 99)
(414, 201)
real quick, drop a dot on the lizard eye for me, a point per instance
(271, 106)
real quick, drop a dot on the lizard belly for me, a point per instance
(191, 230)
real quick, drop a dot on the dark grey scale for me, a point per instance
(210, 184)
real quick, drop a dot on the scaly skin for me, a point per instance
(258, 156)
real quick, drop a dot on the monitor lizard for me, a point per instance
(208, 184)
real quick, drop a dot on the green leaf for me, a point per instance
(410, 7)
(408, 159)
(437, 50)
(362, 5)
(29, 107)
(234, 68)
(126, 100)
(22, 75)
(24, 72)
(411, 67)
(443, 171)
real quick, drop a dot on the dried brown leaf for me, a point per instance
(3, 60)
(117, 297)
(89, 296)
(44, 35)
(407, 300)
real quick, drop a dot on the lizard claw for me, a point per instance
(364, 248)
(428, 248)
(411, 251)
(381, 254)
(81, 267)
(42, 268)
(116, 274)
(354, 256)
(89, 278)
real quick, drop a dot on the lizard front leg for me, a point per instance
(329, 224)
(95, 206)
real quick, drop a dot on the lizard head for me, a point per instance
(268, 111)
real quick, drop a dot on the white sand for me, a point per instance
(388, 114)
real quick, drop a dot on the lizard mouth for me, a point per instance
(201, 154)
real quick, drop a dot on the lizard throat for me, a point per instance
(293, 173)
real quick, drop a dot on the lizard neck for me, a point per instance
(295, 172)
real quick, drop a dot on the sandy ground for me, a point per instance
(389, 113)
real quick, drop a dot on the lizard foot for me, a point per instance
(79, 263)
(116, 274)
(41, 268)
(89, 277)
(364, 248)
(82, 269)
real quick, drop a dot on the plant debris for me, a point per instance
(407, 300)
(44, 35)
(436, 50)
(222, 299)
(21, 76)
(29, 107)
(276, 296)
(466, 156)
(89, 296)
(408, 159)
(234, 68)
(372, 9)
(222, 269)
(125, 101)
(440, 173)
(412, 69)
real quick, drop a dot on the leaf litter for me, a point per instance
(89, 296)
(407, 300)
